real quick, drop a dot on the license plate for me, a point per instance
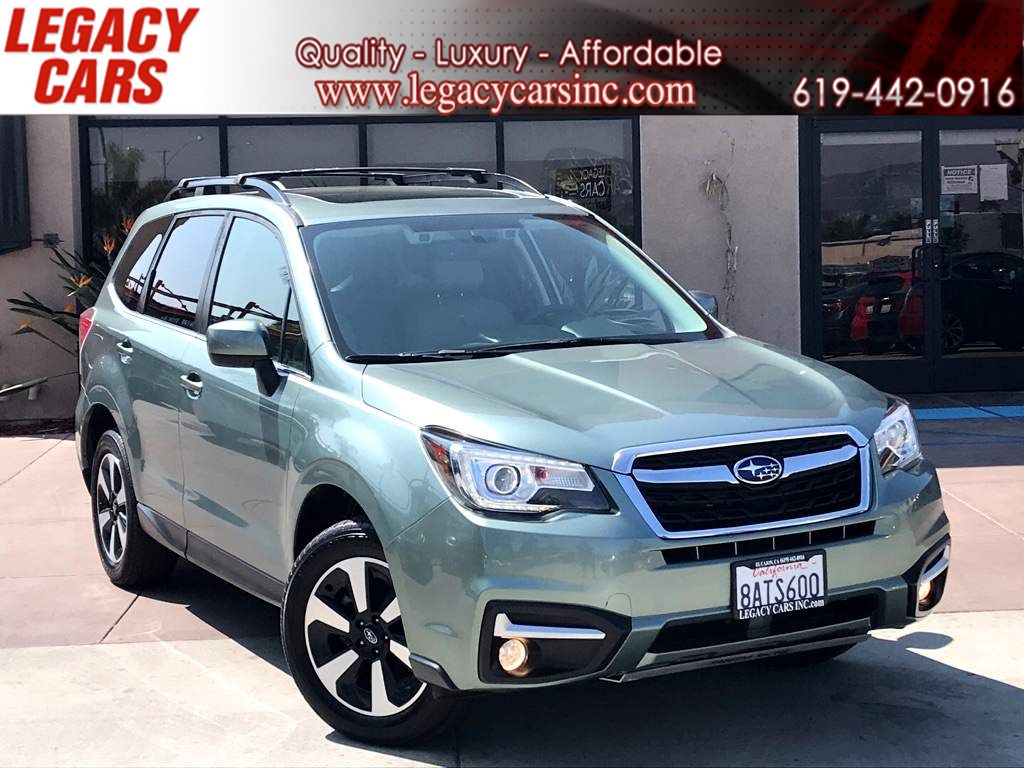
(773, 586)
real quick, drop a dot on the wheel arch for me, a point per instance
(99, 418)
(324, 505)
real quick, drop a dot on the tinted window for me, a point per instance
(174, 293)
(253, 280)
(137, 259)
(293, 344)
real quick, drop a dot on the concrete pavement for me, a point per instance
(193, 673)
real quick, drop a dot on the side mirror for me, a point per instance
(708, 302)
(243, 344)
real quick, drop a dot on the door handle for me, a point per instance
(125, 348)
(192, 384)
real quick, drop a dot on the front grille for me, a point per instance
(697, 506)
(689, 634)
(728, 455)
(729, 550)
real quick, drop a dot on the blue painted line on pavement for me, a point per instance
(952, 414)
(1007, 411)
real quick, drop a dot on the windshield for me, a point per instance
(468, 285)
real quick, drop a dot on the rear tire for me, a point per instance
(130, 557)
(345, 644)
(810, 658)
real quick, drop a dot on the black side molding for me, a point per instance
(164, 530)
(231, 569)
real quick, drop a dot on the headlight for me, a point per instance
(501, 480)
(896, 438)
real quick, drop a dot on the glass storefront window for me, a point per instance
(981, 221)
(470, 145)
(270, 147)
(588, 161)
(132, 168)
(871, 223)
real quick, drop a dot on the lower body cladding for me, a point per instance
(503, 604)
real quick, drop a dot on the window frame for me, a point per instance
(210, 284)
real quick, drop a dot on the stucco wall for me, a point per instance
(54, 199)
(686, 233)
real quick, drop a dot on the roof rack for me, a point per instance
(267, 183)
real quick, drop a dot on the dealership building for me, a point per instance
(891, 247)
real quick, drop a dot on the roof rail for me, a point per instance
(201, 183)
(267, 183)
(400, 175)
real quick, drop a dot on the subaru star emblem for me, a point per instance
(371, 636)
(757, 470)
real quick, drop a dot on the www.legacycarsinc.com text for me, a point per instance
(447, 96)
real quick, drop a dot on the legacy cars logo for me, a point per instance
(757, 470)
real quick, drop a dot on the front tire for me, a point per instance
(345, 644)
(129, 556)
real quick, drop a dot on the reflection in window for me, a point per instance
(264, 147)
(293, 343)
(178, 279)
(981, 231)
(135, 264)
(871, 222)
(587, 161)
(134, 167)
(466, 145)
(252, 283)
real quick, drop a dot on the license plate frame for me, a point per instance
(788, 568)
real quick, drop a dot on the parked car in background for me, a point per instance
(472, 439)
(862, 317)
(874, 327)
(982, 299)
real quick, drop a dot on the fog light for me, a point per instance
(514, 657)
(924, 591)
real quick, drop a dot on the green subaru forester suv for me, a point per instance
(470, 438)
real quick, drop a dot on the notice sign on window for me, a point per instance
(589, 185)
(959, 179)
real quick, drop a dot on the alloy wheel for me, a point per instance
(355, 639)
(953, 333)
(112, 508)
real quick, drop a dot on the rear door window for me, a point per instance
(178, 278)
(130, 275)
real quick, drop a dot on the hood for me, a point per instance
(585, 403)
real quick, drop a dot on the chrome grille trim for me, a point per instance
(722, 474)
(623, 463)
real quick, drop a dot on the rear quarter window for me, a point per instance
(131, 271)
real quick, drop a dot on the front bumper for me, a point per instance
(660, 611)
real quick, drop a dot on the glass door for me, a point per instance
(980, 262)
(874, 264)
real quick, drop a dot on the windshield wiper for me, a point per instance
(413, 357)
(574, 341)
(496, 350)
